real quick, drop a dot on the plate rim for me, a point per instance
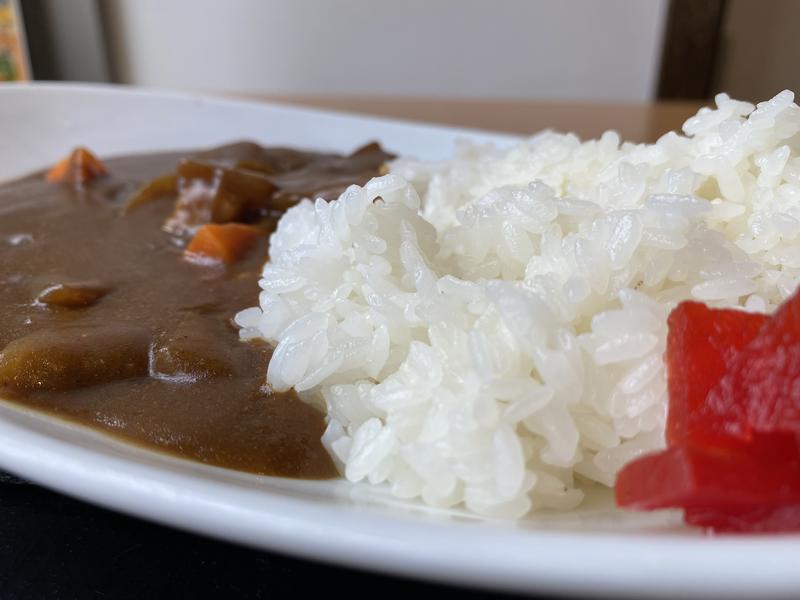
(221, 98)
(370, 539)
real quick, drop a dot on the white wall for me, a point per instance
(549, 49)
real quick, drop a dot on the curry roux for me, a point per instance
(105, 322)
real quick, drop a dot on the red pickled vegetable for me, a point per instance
(756, 519)
(733, 426)
(760, 390)
(701, 346)
(686, 476)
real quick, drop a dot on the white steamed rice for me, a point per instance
(488, 331)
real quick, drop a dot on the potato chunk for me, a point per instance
(72, 295)
(70, 358)
(189, 352)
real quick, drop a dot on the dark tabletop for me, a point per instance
(52, 546)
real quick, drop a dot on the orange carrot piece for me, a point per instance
(80, 167)
(224, 243)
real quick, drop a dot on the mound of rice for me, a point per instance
(488, 331)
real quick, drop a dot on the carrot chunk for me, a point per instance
(80, 167)
(224, 243)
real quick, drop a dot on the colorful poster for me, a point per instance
(13, 56)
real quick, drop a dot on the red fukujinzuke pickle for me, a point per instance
(732, 461)
(701, 345)
(685, 475)
(745, 519)
(760, 390)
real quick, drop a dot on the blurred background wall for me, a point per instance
(465, 48)
(759, 48)
(593, 50)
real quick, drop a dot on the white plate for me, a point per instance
(596, 550)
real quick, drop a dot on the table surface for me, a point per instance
(53, 546)
(634, 122)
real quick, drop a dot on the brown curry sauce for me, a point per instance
(106, 323)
